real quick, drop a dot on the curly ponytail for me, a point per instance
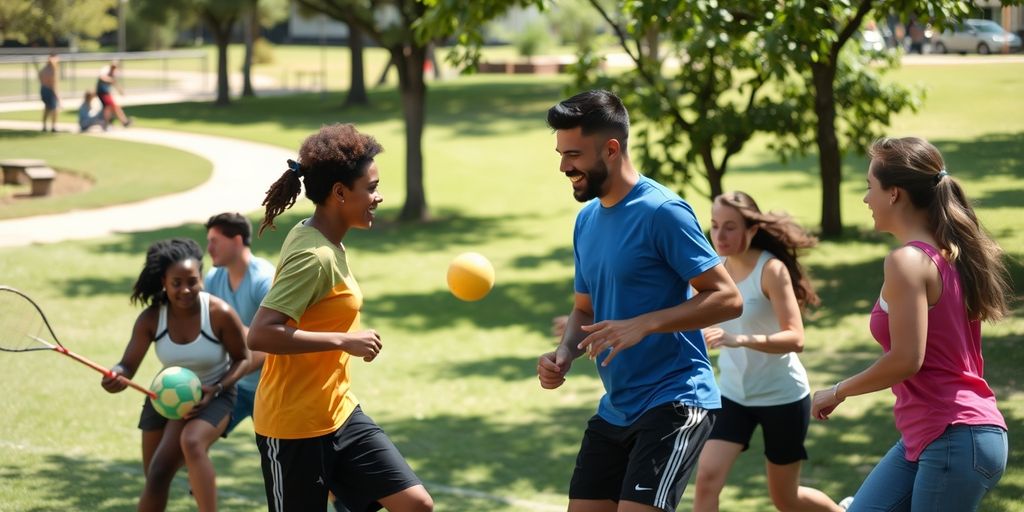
(281, 195)
(337, 153)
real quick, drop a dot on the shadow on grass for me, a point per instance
(845, 289)
(560, 255)
(468, 107)
(448, 228)
(508, 304)
(93, 483)
(991, 154)
(86, 286)
(21, 134)
(83, 483)
(538, 455)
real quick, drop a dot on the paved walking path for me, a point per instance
(242, 172)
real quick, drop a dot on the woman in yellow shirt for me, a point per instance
(311, 433)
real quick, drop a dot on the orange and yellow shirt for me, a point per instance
(307, 395)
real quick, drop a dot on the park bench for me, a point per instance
(34, 172)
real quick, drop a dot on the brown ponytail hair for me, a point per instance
(336, 153)
(916, 166)
(779, 234)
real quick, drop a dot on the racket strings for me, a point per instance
(22, 326)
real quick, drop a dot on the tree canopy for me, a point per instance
(55, 20)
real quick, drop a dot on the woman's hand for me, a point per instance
(209, 393)
(716, 337)
(824, 402)
(112, 383)
(364, 344)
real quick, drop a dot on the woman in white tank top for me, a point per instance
(192, 329)
(762, 380)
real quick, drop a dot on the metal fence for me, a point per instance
(138, 71)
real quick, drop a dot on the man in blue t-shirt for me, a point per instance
(638, 251)
(241, 280)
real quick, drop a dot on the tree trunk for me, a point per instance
(829, 160)
(252, 27)
(714, 173)
(409, 62)
(357, 76)
(651, 41)
(222, 33)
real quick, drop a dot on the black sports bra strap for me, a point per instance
(207, 336)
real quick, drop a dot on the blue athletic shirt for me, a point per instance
(634, 258)
(246, 299)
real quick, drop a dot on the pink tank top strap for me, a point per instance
(934, 254)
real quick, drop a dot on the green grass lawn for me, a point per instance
(121, 172)
(455, 385)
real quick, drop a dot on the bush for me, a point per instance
(262, 52)
(142, 34)
(534, 38)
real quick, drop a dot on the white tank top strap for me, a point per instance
(757, 274)
(161, 323)
(205, 326)
(750, 286)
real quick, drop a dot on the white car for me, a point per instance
(974, 35)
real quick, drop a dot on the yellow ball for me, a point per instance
(470, 276)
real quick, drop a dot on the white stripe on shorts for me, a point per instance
(679, 452)
(277, 483)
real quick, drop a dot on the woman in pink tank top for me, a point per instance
(944, 280)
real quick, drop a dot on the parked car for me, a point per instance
(871, 40)
(974, 35)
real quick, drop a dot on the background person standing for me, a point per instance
(49, 76)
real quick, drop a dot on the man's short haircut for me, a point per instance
(232, 225)
(597, 111)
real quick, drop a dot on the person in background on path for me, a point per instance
(87, 117)
(106, 83)
(946, 277)
(242, 280)
(761, 378)
(312, 434)
(186, 327)
(49, 76)
(646, 282)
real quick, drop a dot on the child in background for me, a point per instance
(87, 117)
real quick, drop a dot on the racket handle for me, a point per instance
(104, 371)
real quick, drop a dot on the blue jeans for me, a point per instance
(953, 473)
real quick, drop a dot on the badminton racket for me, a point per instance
(24, 328)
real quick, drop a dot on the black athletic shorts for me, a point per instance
(647, 462)
(215, 411)
(358, 463)
(784, 428)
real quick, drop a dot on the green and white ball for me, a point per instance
(177, 390)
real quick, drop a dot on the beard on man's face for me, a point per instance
(596, 178)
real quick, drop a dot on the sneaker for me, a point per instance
(129, 122)
(846, 502)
